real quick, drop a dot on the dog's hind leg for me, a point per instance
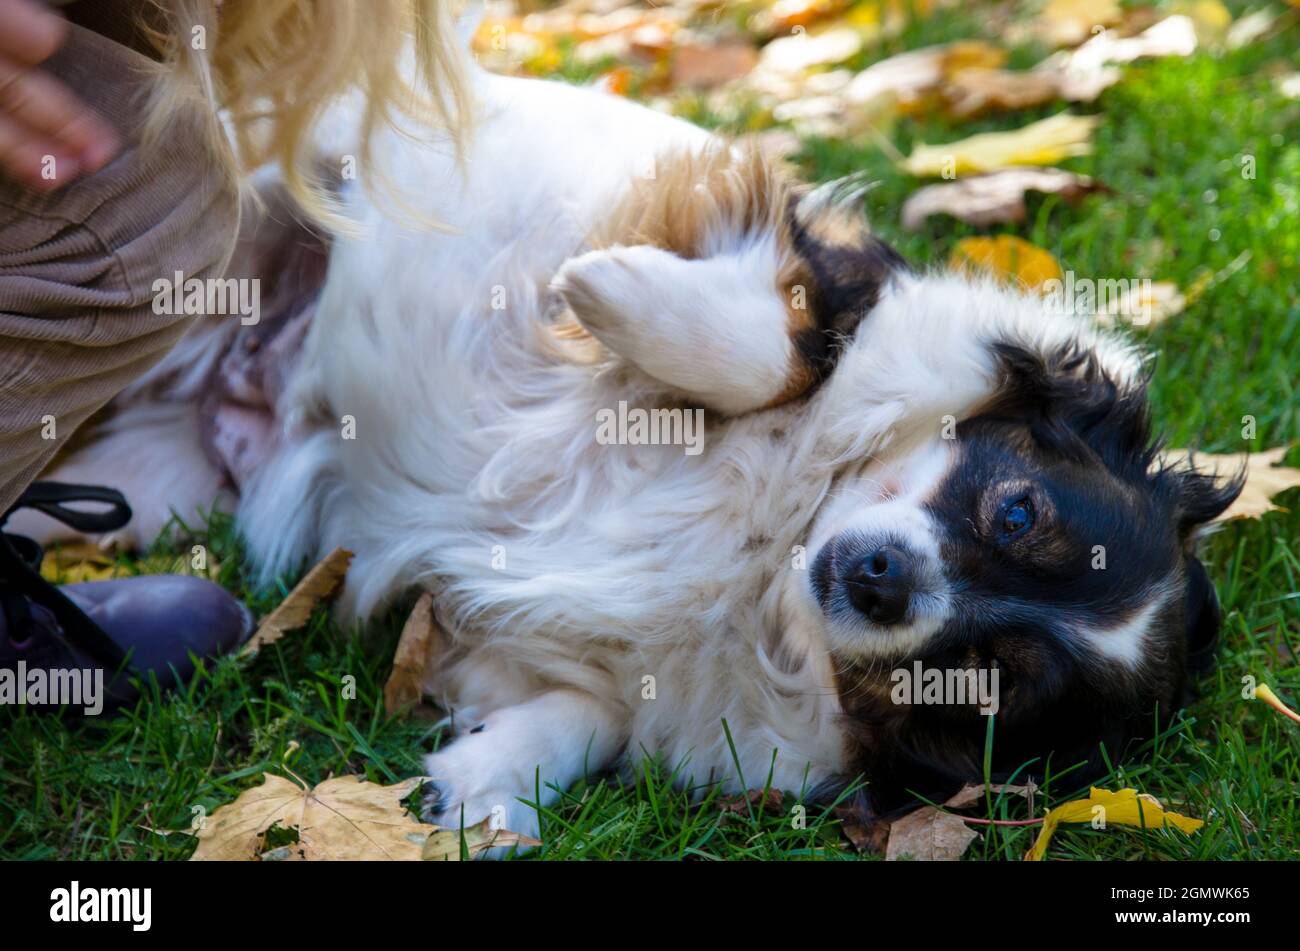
(522, 754)
(715, 328)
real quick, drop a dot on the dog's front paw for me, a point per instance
(465, 787)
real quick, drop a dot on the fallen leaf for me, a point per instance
(753, 799)
(421, 644)
(784, 15)
(1126, 807)
(1084, 73)
(317, 585)
(1250, 28)
(445, 844)
(971, 794)
(1150, 303)
(993, 198)
(1265, 477)
(1070, 22)
(1040, 143)
(1076, 76)
(971, 91)
(76, 562)
(341, 818)
(865, 832)
(905, 78)
(804, 51)
(1210, 18)
(1265, 693)
(699, 66)
(1006, 257)
(929, 835)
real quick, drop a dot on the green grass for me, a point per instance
(1169, 148)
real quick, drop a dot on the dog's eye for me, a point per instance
(1017, 517)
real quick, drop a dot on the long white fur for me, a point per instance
(607, 602)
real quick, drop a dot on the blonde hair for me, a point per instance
(274, 67)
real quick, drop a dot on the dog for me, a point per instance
(697, 467)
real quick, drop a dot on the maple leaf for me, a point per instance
(341, 818)
(1265, 477)
(451, 845)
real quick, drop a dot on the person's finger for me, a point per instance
(50, 111)
(31, 160)
(30, 33)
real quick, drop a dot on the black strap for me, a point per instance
(48, 497)
(20, 564)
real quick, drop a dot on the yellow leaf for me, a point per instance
(317, 585)
(1008, 258)
(1126, 807)
(1041, 143)
(421, 643)
(1070, 22)
(1265, 478)
(81, 561)
(341, 818)
(444, 845)
(1265, 693)
(1210, 17)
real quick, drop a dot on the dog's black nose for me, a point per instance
(880, 584)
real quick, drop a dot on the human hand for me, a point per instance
(47, 135)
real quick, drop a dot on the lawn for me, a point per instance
(1169, 148)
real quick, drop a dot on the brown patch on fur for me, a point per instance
(701, 202)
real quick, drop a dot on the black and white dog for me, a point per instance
(676, 442)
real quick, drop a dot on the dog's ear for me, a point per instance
(1203, 617)
(715, 328)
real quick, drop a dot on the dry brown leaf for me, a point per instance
(993, 198)
(971, 794)
(1077, 76)
(1011, 259)
(700, 66)
(753, 799)
(978, 89)
(865, 832)
(929, 835)
(1265, 478)
(317, 585)
(422, 642)
(1040, 143)
(905, 78)
(341, 818)
(445, 844)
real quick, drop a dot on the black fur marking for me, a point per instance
(1079, 445)
(846, 285)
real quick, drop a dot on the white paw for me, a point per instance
(469, 781)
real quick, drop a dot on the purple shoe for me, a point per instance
(78, 646)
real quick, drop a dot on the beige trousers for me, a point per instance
(78, 265)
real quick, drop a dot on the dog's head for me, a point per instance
(1027, 568)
